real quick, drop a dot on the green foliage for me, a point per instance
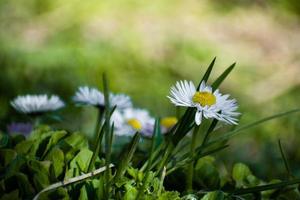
(58, 164)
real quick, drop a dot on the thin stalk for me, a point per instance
(151, 156)
(156, 153)
(207, 134)
(266, 187)
(108, 137)
(72, 180)
(162, 178)
(190, 171)
(166, 156)
(97, 148)
(286, 164)
(99, 120)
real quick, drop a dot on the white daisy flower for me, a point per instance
(92, 96)
(209, 104)
(30, 104)
(167, 123)
(122, 101)
(132, 120)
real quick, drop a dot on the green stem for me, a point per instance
(286, 164)
(190, 171)
(166, 156)
(99, 120)
(98, 139)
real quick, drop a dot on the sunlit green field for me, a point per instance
(54, 46)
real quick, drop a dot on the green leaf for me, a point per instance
(172, 195)
(79, 163)
(59, 193)
(130, 192)
(127, 156)
(240, 173)
(72, 144)
(207, 73)
(3, 140)
(83, 193)
(231, 134)
(6, 156)
(55, 137)
(215, 195)
(24, 147)
(40, 173)
(261, 188)
(222, 77)
(13, 195)
(56, 156)
(206, 173)
(21, 182)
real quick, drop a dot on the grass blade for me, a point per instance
(97, 149)
(151, 156)
(108, 136)
(222, 77)
(207, 73)
(266, 187)
(286, 164)
(127, 156)
(250, 125)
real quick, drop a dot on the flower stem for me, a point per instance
(190, 171)
(99, 120)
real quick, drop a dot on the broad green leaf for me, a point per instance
(130, 192)
(13, 195)
(55, 137)
(59, 193)
(79, 163)
(3, 140)
(240, 173)
(40, 173)
(6, 156)
(215, 195)
(169, 196)
(56, 156)
(21, 182)
(15, 165)
(72, 144)
(206, 173)
(24, 146)
(83, 193)
(16, 139)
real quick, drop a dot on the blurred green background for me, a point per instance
(54, 46)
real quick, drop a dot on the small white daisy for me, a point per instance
(209, 104)
(122, 101)
(89, 96)
(92, 96)
(32, 104)
(132, 120)
(167, 123)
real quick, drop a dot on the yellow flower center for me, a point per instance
(204, 98)
(134, 123)
(168, 122)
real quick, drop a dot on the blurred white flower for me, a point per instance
(209, 104)
(133, 120)
(122, 101)
(167, 123)
(89, 96)
(30, 104)
(92, 96)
